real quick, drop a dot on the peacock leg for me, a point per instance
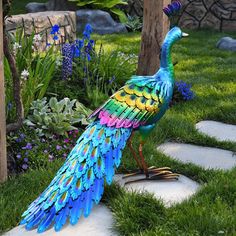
(137, 172)
(152, 173)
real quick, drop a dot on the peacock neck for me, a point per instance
(166, 62)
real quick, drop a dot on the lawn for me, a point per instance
(212, 211)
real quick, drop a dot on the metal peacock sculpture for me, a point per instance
(79, 183)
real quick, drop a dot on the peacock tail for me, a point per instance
(79, 183)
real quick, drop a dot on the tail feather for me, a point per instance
(79, 183)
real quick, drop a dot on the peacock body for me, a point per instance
(79, 183)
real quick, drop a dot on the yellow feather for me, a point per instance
(151, 106)
(131, 102)
(119, 96)
(146, 93)
(140, 104)
(128, 89)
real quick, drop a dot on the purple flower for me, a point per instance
(67, 54)
(173, 8)
(25, 166)
(28, 146)
(58, 147)
(26, 159)
(112, 79)
(18, 156)
(45, 151)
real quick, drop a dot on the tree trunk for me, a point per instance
(3, 155)
(155, 27)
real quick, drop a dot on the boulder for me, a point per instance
(101, 22)
(35, 7)
(227, 43)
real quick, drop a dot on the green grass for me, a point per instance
(18, 6)
(213, 210)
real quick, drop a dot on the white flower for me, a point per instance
(37, 38)
(16, 46)
(24, 74)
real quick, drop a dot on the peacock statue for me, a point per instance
(79, 183)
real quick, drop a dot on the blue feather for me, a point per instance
(47, 221)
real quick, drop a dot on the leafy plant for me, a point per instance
(36, 69)
(108, 5)
(56, 117)
(134, 23)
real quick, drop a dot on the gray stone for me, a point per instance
(101, 22)
(99, 223)
(227, 43)
(35, 7)
(206, 157)
(169, 191)
(42, 22)
(218, 130)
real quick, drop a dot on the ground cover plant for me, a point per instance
(212, 211)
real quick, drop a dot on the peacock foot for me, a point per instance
(152, 173)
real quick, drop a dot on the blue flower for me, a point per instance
(55, 37)
(185, 90)
(18, 156)
(67, 54)
(87, 31)
(9, 106)
(55, 29)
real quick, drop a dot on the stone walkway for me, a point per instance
(206, 157)
(169, 191)
(218, 130)
(100, 221)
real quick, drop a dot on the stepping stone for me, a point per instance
(206, 157)
(99, 223)
(218, 130)
(169, 191)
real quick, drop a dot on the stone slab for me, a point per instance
(218, 130)
(169, 191)
(99, 223)
(206, 157)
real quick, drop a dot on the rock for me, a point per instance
(99, 223)
(35, 7)
(218, 130)
(169, 191)
(101, 22)
(41, 23)
(227, 43)
(206, 157)
(196, 9)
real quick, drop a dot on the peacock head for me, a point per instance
(175, 34)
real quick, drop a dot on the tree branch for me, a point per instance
(15, 75)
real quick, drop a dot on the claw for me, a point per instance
(154, 173)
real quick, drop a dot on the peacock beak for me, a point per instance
(185, 34)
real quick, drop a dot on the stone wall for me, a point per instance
(213, 14)
(42, 22)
